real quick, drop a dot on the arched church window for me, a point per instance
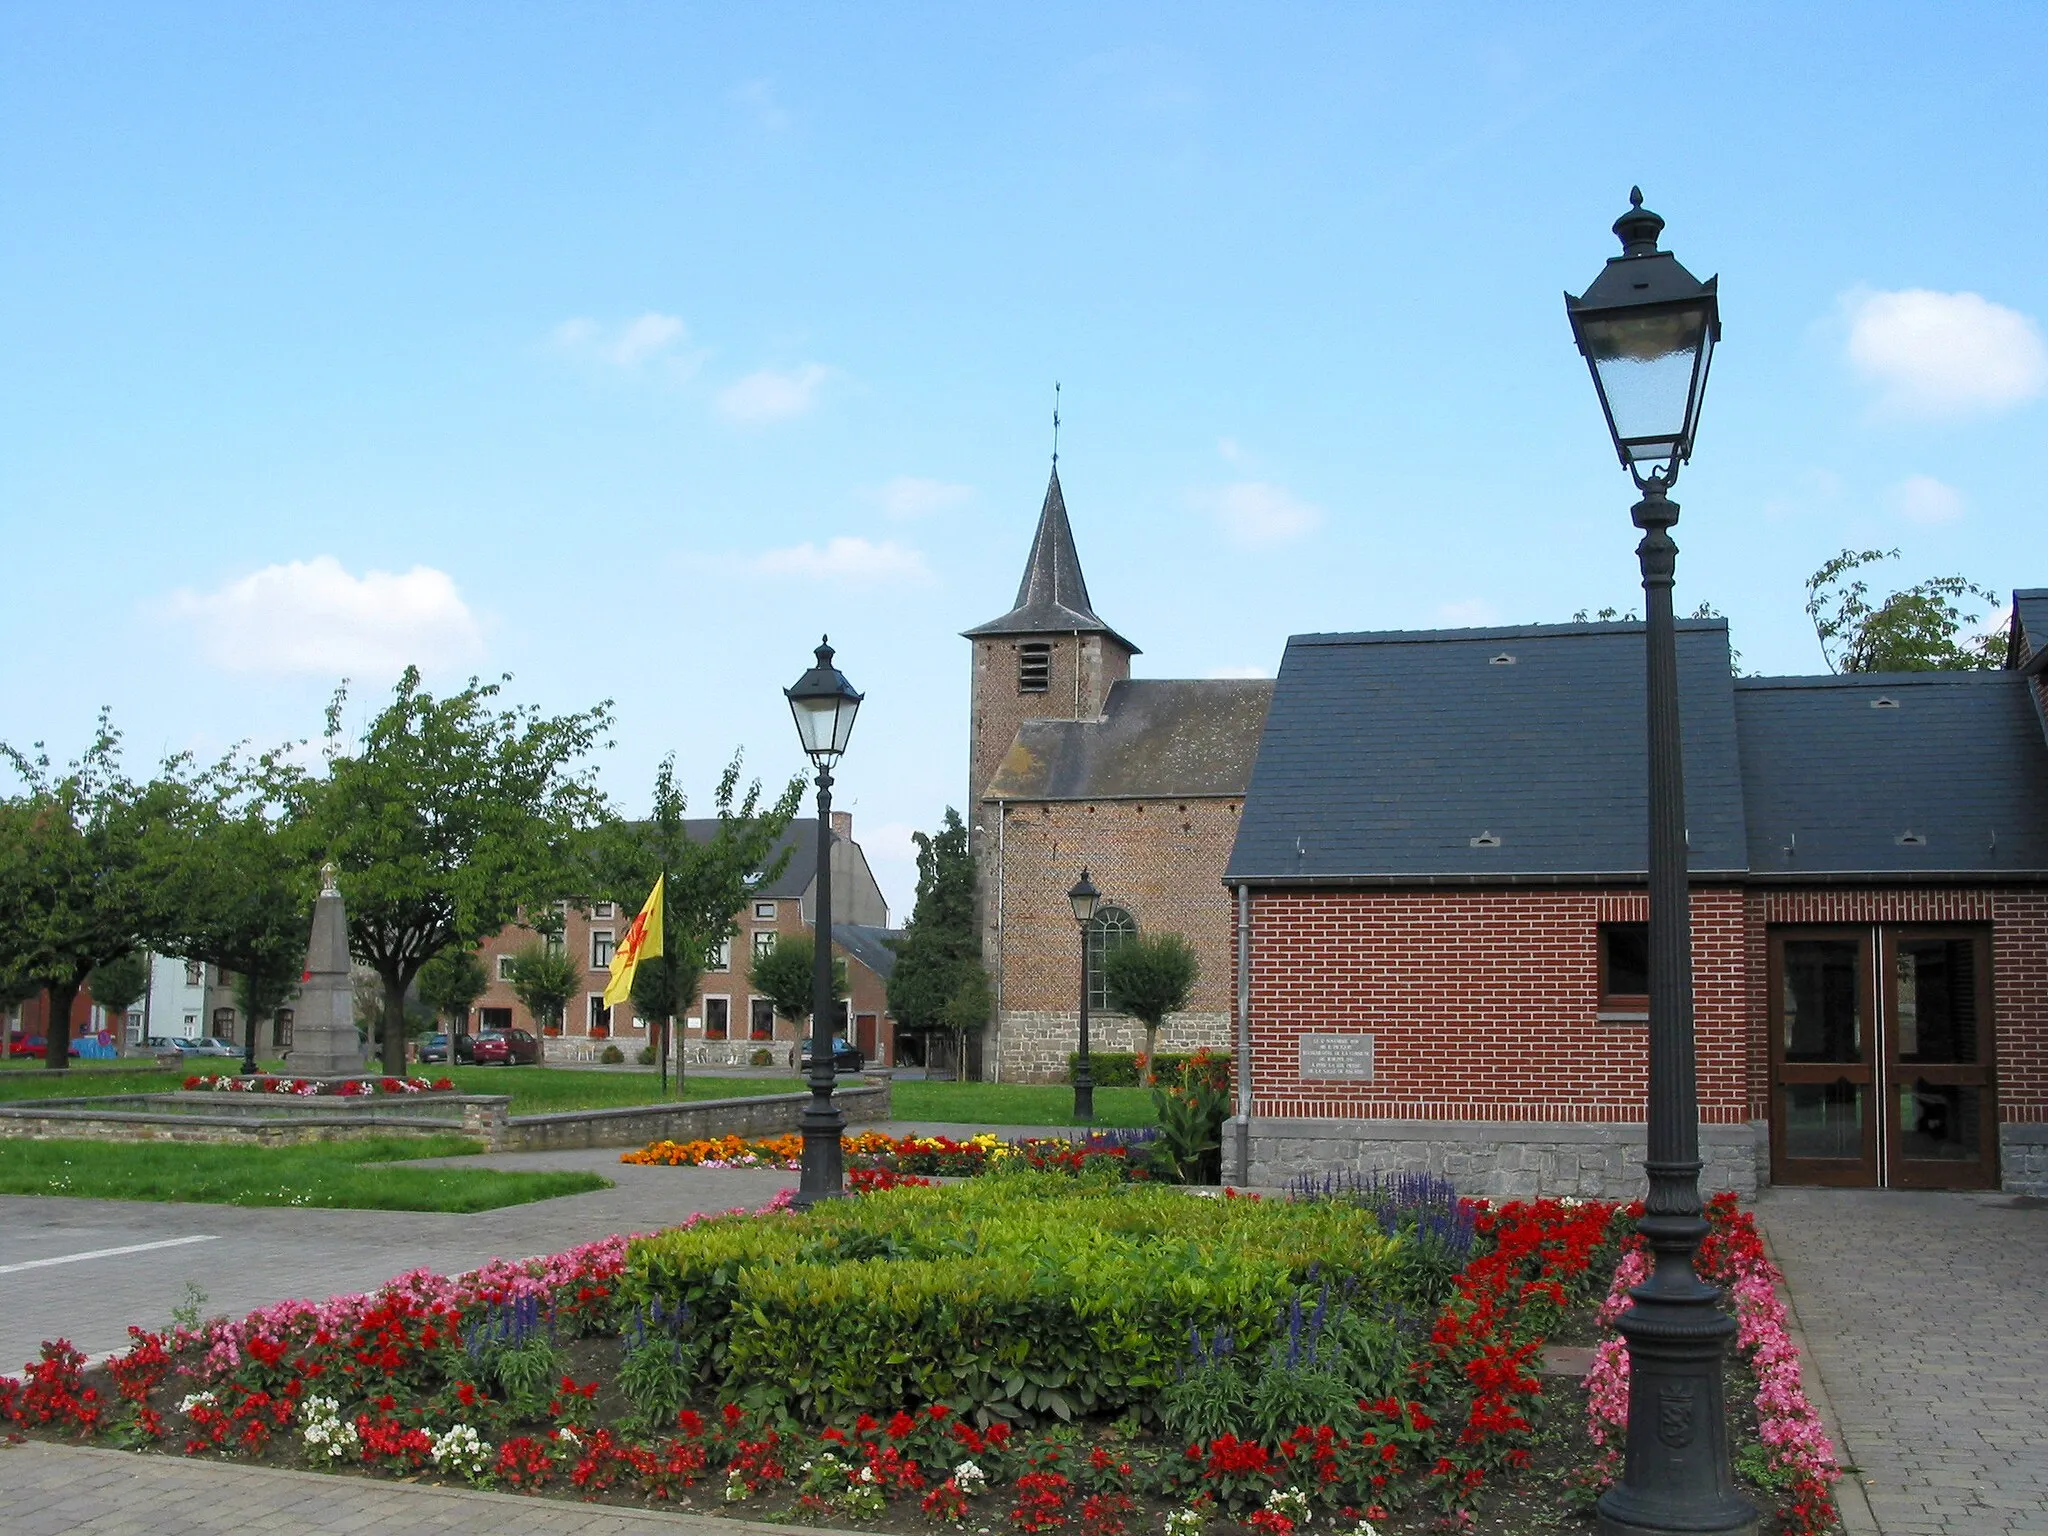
(1034, 666)
(1112, 928)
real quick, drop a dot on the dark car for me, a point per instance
(435, 1048)
(844, 1057)
(505, 1047)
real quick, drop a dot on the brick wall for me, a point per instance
(1160, 860)
(1483, 1004)
(1083, 668)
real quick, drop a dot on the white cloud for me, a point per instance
(1239, 672)
(1924, 499)
(772, 394)
(1255, 515)
(911, 496)
(1469, 613)
(313, 616)
(636, 341)
(846, 558)
(1944, 354)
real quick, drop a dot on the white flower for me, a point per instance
(197, 1400)
(969, 1478)
(326, 1432)
(462, 1450)
(1291, 1504)
(568, 1434)
(1185, 1522)
(1365, 1528)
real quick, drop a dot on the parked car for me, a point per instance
(27, 1045)
(845, 1058)
(435, 1048)
(506, 1047)
(208, 1045)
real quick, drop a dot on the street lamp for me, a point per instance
(1647, 329)
(1083, 898)
(824, 704)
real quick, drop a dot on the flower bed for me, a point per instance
(1028, 1354)
(314, 1087)
(1117, 1154)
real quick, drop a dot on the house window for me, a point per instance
(1034, 667)
(717, 1017)
(600, 1017)
(505, 964)
(721, 957)
(601, 910)
(1113, 927)
(760, 1019)
(281, 1029)
(1625, 968)
(224, 1024)
(499, 1019)
(600, 949)
(764, 941)
(764, 911)
(557, 944)
(195, 974)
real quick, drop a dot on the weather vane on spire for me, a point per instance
(1055, 424)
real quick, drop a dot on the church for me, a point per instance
(1413, 868)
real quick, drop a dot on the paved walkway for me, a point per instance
(1924, 1315)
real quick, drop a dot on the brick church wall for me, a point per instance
(1083, 668)
(1160, 860)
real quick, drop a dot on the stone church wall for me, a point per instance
(1033, 1047)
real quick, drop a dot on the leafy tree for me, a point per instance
(71, 851)
(707, 882)
(120, 984)
(446, 818)
(1148, 977)
(544, 977)
(785, 975)
(260, 993)
(450, 984)
(1912, 630)
(940, 953)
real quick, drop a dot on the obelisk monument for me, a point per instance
(324, 1038)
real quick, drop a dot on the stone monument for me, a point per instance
(324, 1038)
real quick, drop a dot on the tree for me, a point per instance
(939, 981)
(447, 817)
(1148, 977)
(120, 984)
(70, 886)
(707, 882)
(1912, 630)
(544, 977)
(450, 984)
(260, 993)
(786, 975)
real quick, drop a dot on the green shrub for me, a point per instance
(761, 1058)
(646, 1056)
(612, 1056)
(1119, 1069)
(1027, 1296)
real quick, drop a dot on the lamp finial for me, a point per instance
(1639, 228)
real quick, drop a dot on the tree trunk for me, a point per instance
(57, 1029)
(1151, 1051)
(394, 1026)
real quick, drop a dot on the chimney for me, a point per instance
(842, 825)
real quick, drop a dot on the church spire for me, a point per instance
(1053, 596)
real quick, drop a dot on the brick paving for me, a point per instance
(1923, 1315)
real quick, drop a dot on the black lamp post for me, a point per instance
(1647, 328)
(824, 705)
(1083, 899)
(249, 1044)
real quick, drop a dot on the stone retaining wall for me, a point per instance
(772, 1114)
(2023, 1159)
(1500, 1159)
(1033, 1047)
(43, 1124)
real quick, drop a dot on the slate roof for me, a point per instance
(870, 946)
(1835, 779)
(1386, 755)
(2029, 626)
(800, 838)
(1155, 740)
(1053, 596)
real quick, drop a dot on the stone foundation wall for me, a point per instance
(2023, 1159)
(1033, 1047)
(1500, 1159)
(216, 1128)
(773, 1114)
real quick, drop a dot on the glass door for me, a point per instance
(1823, 1058)
(1942, 1121)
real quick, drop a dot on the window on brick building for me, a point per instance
(601, 910)
(717, 1017)
(1624, 967)
(721, 957)
(764, 941)
(1112, 928)
(600, 1017)
(224, 1024)
(761, 1019)
(600, 949)
(764, 911)
(505, 964)
(1034, 667)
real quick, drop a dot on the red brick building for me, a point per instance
(727, 1022)
(1439, 898)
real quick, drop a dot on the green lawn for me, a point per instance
(1018, 1104)
(362, 1175)
(104, 1077)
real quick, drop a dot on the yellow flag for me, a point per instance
(642, 942)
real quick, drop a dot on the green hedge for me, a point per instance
(1119, 1069)
(1017, 1296)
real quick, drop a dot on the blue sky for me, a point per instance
(626, 347)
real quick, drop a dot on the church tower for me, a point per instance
(1048, 658)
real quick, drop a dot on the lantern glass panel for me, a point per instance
(1651, 368)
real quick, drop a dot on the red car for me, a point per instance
(506, 1047)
